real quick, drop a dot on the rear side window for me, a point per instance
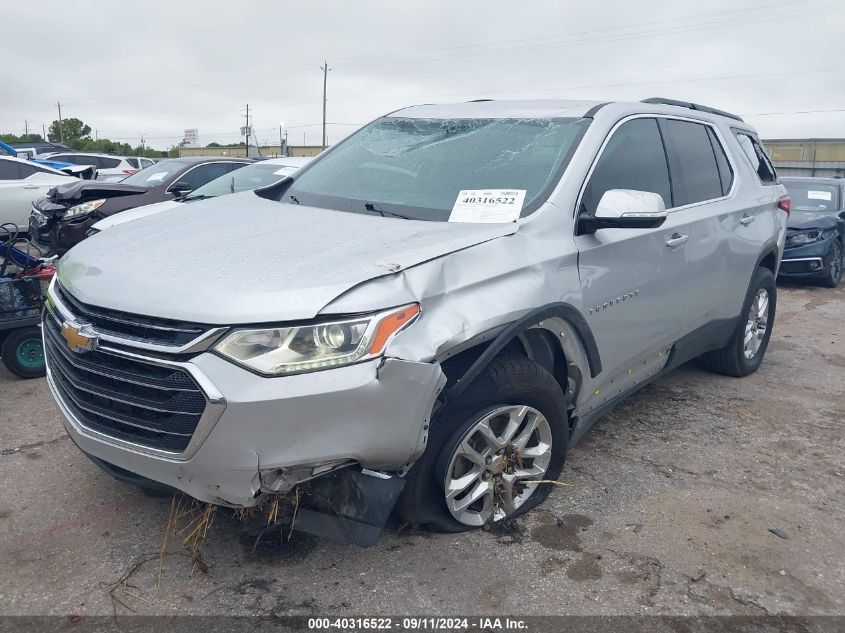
(133, 162)
(103, 162)
(755, 154)
(692, 164)
(633, 159)
(9, 170)
(726, 175)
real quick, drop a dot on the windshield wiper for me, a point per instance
(369, 206)
(198, 197)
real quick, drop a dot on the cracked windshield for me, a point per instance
(415, 168)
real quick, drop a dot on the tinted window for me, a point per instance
(198, 176)
(633, 159)
(9, 170)
(245, 179)
(103, 162)
(759, 161)
(26, 170)
(692, 164)
(133, 162)
(726, 175)
(155, 175)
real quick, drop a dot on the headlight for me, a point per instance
(299, 348)
(807, 237)
(84, 208)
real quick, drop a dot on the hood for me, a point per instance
(77, 192)
(243, 259)
(804, 220)
(135, 214)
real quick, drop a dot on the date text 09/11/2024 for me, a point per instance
(415, 624)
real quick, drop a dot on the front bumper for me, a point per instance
(810, 261)
(276, 432)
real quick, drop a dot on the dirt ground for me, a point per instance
(673, 499)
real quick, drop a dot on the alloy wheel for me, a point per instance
(757, 324)
(494, 468)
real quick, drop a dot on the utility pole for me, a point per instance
(281, 142)
(246, 133)
(25, 127)
(325, 68)
(287, 151)
(44, 131)
(143, 147)
(61, 124)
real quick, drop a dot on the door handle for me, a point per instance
(677, 240)
(746, 220)
(30, 186)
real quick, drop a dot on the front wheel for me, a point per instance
(487, 450)
(23, 352)
(744, 352)
(834, 270)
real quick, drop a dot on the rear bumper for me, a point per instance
(277, 432)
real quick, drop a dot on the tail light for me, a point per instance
(785, 204)
(130, 171)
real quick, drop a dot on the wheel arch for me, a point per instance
(556, 335)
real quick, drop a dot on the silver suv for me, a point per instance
(431, 312)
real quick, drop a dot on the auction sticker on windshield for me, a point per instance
(487, 205)
(819, 195)
(157, 176)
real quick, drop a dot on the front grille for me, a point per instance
(131, 400)
(134, 326)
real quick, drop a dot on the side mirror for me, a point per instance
(180, 188)
(625, 209)
(842, 215)
(23, 155)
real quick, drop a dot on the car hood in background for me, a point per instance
(81, 191)
(805, 220)
(242, 259)
(135, 214)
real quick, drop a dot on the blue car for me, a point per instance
(815, 232)
(85, 172)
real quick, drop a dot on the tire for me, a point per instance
(833, 274)
(508, 388)
(733, 360)
(23, 352)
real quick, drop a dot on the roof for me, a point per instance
(208, 159)
(817, 179)
(499, 110)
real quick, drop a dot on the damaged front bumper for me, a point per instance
(271, 434)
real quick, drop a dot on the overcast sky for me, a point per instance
(157, 68)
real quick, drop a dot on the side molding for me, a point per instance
(552, 310)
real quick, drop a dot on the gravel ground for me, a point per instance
(673, 499)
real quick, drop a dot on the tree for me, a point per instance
(214, 145)
(73, 129)
(23, 138)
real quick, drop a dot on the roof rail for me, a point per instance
(479, 100)
(691, 106)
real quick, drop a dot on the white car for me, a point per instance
(21, 182)
(261, 174)
(109, 168)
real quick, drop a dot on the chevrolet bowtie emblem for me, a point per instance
(77, 339)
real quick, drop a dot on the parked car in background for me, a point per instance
(85, 172)
(34, 150)
(260, 174)
(436, 307)
(21, 182)
(815, 236)
(109, 168)
(62, 218)
(139, 162)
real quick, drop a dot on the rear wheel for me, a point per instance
(834, 271)
(745, 351)
(508, 430)
(23, 352)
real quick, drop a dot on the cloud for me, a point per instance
(156, 68)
